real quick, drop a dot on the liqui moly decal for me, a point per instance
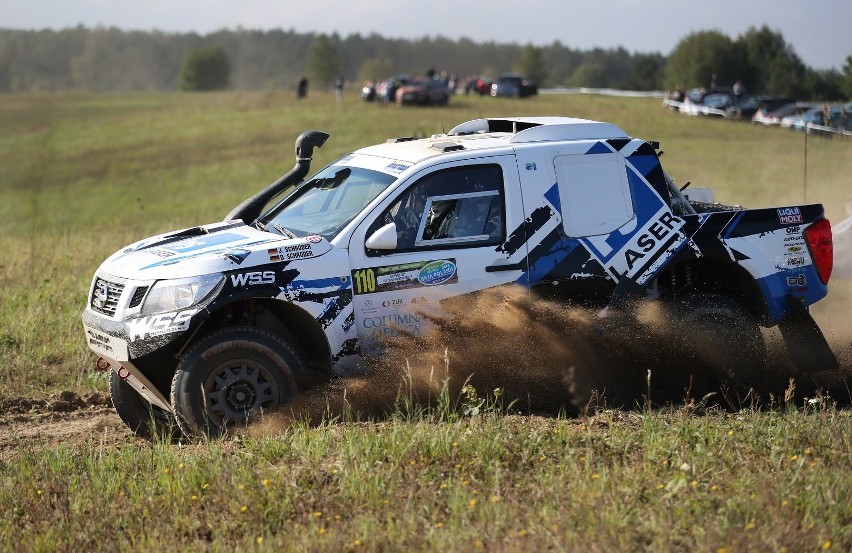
(789, 215)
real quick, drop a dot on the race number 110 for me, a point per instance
(364, 281)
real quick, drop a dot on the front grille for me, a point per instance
(105, 296)
(138, 295)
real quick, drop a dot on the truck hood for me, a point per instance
(208, 249)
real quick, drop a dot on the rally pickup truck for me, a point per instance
(207, 327)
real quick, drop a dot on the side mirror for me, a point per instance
(383, 239)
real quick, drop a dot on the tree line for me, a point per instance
(111, 59)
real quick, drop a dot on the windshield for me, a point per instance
(328, 202)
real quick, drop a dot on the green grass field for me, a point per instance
(83, 175)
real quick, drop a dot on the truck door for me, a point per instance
(442, 235)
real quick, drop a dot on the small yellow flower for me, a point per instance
(356, 543)
(783, 549)
(494, 499)
(180, 465)
(693, 483)
(465, 482)
(811, 526)
(336, 517)
(473, 503)
(121, 493)
(193, 497)
(714, 487)
(479, 544)
(721, 550)
(660, 486)
(794, 457)
(205, 485)
(321, 530)
(259, 540)
(595, 476)
(826, 544)
(318, 514)
(808, 451)
(442, 486)
(458, 466)
(785, 503)
(750, 525)
(165, 471)
(439, 525)
(413, 462)
(730, 432)
(266, 482)
(333, 471)
(244, 508)
(240, 487)
(38, 492)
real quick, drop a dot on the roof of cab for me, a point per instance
(495, 133)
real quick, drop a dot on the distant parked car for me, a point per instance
(424, 92)
(770, 117)
(513, 85)
(749, 105)
(386, 89)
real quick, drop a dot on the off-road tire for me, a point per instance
(230, 378)
(724, 345)
(144, 419)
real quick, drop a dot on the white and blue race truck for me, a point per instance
(209, 326)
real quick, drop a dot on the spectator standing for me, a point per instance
(302, 87)
(338, 88)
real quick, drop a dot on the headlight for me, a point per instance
(174, 295)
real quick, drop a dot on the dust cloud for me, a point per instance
(548, 359)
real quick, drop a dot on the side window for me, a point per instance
(450, 208)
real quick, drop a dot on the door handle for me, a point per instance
(506, 267)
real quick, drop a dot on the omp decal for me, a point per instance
(156, 325)
(408, 275)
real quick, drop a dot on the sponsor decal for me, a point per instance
(797, 281)
(253, 278)
(156, 325)
(789, 215)
(794, 249)
(794, 239)
(160, 252)
(392, 324)
(395, 303)
(104, 343)
(437, 272)
(530, 167)
(404, 276)
(314, 239)
(396, 167)
(794, 230)
(287, 253)
(796, 261)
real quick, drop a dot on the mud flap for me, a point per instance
(805, 342)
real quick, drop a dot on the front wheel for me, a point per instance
(230, 377)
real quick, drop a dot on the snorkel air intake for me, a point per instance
(251, 208)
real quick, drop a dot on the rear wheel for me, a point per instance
(724, 343)
(144, 419)
(230, 378)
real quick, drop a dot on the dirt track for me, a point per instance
(28, 424)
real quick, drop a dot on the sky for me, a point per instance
(820, 31)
